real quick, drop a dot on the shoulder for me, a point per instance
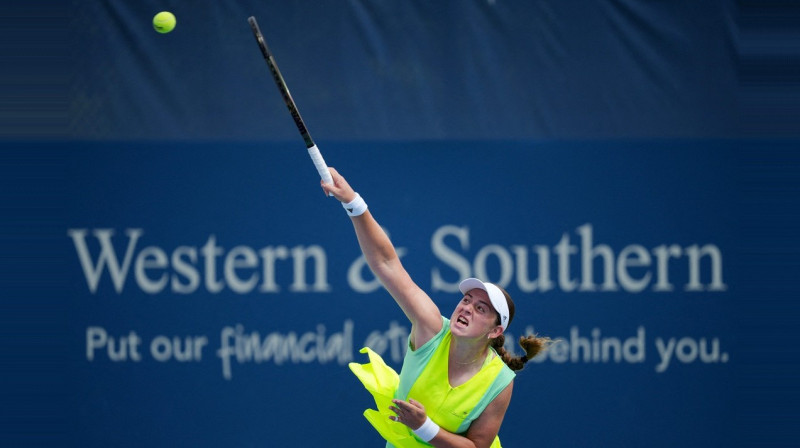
(505, 374)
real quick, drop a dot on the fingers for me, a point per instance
(339, 189)
(410, 405)
(397, 411)
(400, 412)
(325, 187)
(410, 413)
(405, 406)
(331, 189)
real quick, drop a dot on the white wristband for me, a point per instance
(427, 431)
(356, 207)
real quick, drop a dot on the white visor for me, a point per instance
(496, 296)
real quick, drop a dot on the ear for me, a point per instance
(496, 331)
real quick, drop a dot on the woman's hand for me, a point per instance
(410, 413)
(340, 189)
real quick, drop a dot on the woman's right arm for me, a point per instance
(384, 262)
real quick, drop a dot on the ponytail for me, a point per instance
(533, 345)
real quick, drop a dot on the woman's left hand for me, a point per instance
(410, 413)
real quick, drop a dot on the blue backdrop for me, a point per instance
(173, 274)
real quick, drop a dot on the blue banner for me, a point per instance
(212, 294)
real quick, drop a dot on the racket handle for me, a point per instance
(319, 163)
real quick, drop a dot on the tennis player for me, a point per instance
(456, 380)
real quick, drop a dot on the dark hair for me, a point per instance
(533, 344)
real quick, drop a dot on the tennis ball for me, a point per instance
(164, 22)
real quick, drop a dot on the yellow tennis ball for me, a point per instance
(164, 22)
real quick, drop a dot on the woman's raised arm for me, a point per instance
(384, 262)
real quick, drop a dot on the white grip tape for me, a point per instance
(319, 162)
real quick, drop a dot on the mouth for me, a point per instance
(462, 320)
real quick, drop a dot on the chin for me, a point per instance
(460, 330)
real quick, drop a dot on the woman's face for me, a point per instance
(474, 316)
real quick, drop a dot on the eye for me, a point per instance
(480, 308)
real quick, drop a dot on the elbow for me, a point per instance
(385, 266)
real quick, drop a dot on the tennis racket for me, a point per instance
(313, 151)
